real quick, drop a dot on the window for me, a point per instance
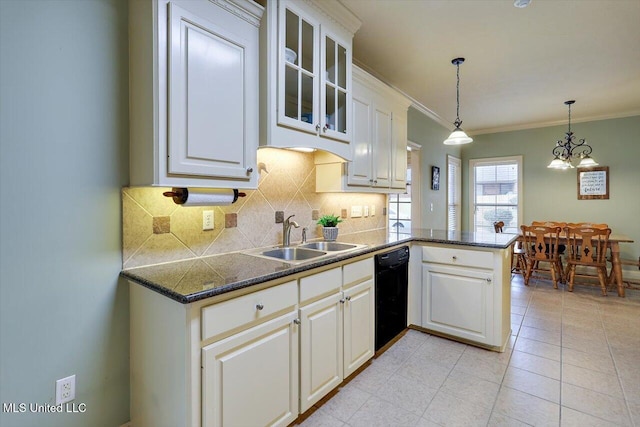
(454, 191)
(400, 206)
(495, 193)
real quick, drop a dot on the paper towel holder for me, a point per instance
(180, 195)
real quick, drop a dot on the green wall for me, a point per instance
(429, 134)
(63, 159)
(551, 194)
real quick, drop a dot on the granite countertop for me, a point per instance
(195, 279)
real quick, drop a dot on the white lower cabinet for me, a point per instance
(259, 359)
(320, 349)
(251, 378)
(337, 330)
(457, 301)
(466, 294)
(359, 326)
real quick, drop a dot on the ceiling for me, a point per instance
(521, 63)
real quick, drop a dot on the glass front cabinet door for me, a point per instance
(309, 49)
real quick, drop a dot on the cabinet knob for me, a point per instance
(488, 279)
(324, 129)
(342, 301)
(249, 170)
(455, 258)
(318, 127)
(296, 321)
(348, 298)
(259, 306)
(375, 181)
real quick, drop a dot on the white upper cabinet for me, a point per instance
(306, 75)
(378, 160)
(194, 93)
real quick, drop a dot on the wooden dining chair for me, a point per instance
(588, 248)
(561, 247)
(600, 226)
(517, 252)
(541, 246)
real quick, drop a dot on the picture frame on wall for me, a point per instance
(435, 178)
(593, 183)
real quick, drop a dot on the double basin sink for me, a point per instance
(305, 251)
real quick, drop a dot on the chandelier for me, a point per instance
(458, 136)
(566, 150)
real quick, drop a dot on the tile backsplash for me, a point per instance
(156, 230)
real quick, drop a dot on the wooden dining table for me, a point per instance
(614, 247)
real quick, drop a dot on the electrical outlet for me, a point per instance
(366, 210)
(356, 211)
(207, 220)
(372, 211)
(65, 390)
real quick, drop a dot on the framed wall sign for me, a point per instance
(435, 178)
(593, 183)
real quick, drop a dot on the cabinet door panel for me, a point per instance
(208, 76)
(359, 170)
(458, 301)
(298, 68)
(399, 152)
(320, 349)
(359, 326)
(251, 378)
(382, 147)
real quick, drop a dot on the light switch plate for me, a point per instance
(356, 211)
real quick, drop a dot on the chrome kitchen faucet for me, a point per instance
(286, 230)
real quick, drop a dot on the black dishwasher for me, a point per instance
(392, 276)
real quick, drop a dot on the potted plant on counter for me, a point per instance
(329, 225)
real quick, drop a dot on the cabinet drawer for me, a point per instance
(358, 272)
(455, 256)
(320, 284)
(231, 314)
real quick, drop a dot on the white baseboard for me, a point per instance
(127, 424)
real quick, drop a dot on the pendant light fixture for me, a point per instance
(565, 150)
(458, 136)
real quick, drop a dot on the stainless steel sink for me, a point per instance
(329, 246)
(293, 254)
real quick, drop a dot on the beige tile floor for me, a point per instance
(573, 360)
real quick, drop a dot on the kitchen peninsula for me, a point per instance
(193, 320)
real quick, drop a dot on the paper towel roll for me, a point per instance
(204, 196)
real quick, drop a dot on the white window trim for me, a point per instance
(472, 187)
(416, 184)
(450, 160)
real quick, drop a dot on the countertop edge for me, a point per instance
(197, 296)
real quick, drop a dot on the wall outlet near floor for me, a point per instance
(372, 211)
(356, 211)
(65, 390)
(207, 220)
(366, 210)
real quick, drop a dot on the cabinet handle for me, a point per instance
(342, 301)
(455, 258)
(259, 306)
(488, 279)
(324, 129)
(371, 180)
(249, 170)
(296, 321)
(375, 181)
(318, 127)
(348, 298)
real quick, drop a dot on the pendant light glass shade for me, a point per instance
(458, 136)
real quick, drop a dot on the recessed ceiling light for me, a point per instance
(521, 3)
